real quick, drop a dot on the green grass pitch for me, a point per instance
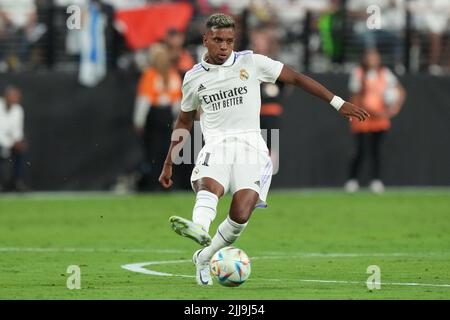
(307, 245)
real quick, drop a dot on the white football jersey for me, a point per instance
(228, 95)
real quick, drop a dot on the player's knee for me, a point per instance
(208, 185)
(242, 206)
(240, 214)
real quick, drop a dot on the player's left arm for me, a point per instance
(313, 87)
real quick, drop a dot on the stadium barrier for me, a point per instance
(82, 139)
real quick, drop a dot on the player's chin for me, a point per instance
(222, 58)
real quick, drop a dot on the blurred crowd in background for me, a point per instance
(159, 41)
(311, 35)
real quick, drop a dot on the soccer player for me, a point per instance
(225, 88)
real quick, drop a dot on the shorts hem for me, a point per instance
(261, 204)
(224, 188)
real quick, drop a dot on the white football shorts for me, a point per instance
(236, 163)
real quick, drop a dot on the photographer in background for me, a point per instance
(12, 144)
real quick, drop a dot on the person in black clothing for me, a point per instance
(157, 101)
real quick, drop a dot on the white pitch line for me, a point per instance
(276, 254)
(18, 249)
(267, 254)
(358, 282)
(140, 268)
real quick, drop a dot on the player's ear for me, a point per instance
(204, 40)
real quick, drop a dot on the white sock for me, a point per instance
(205, 209)
(227, 233)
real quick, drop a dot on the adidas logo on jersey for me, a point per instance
(201, 87)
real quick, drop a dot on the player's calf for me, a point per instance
(227, 233)
(243, 204)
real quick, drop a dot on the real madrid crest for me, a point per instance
(243, 74)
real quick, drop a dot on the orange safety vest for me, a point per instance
(151, 85)
(185, 62)
(271, 109)
(371, 98)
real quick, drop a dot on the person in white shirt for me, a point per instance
(225, 89)
(433, 18)
(12, 145)
(18, 21)
(387, 35)
(20, 14)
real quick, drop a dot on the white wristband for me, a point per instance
(337, 102)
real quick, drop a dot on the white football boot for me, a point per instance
(187, 228)
(202, 274)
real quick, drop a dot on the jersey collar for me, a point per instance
(229, 62)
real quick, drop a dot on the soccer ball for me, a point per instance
(230, 266)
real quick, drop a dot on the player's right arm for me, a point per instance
(190, 102)
(184, 123)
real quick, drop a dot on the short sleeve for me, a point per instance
(267, 70)
(354, 83)
(17, 133)
(391, 79)
(189, 100)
